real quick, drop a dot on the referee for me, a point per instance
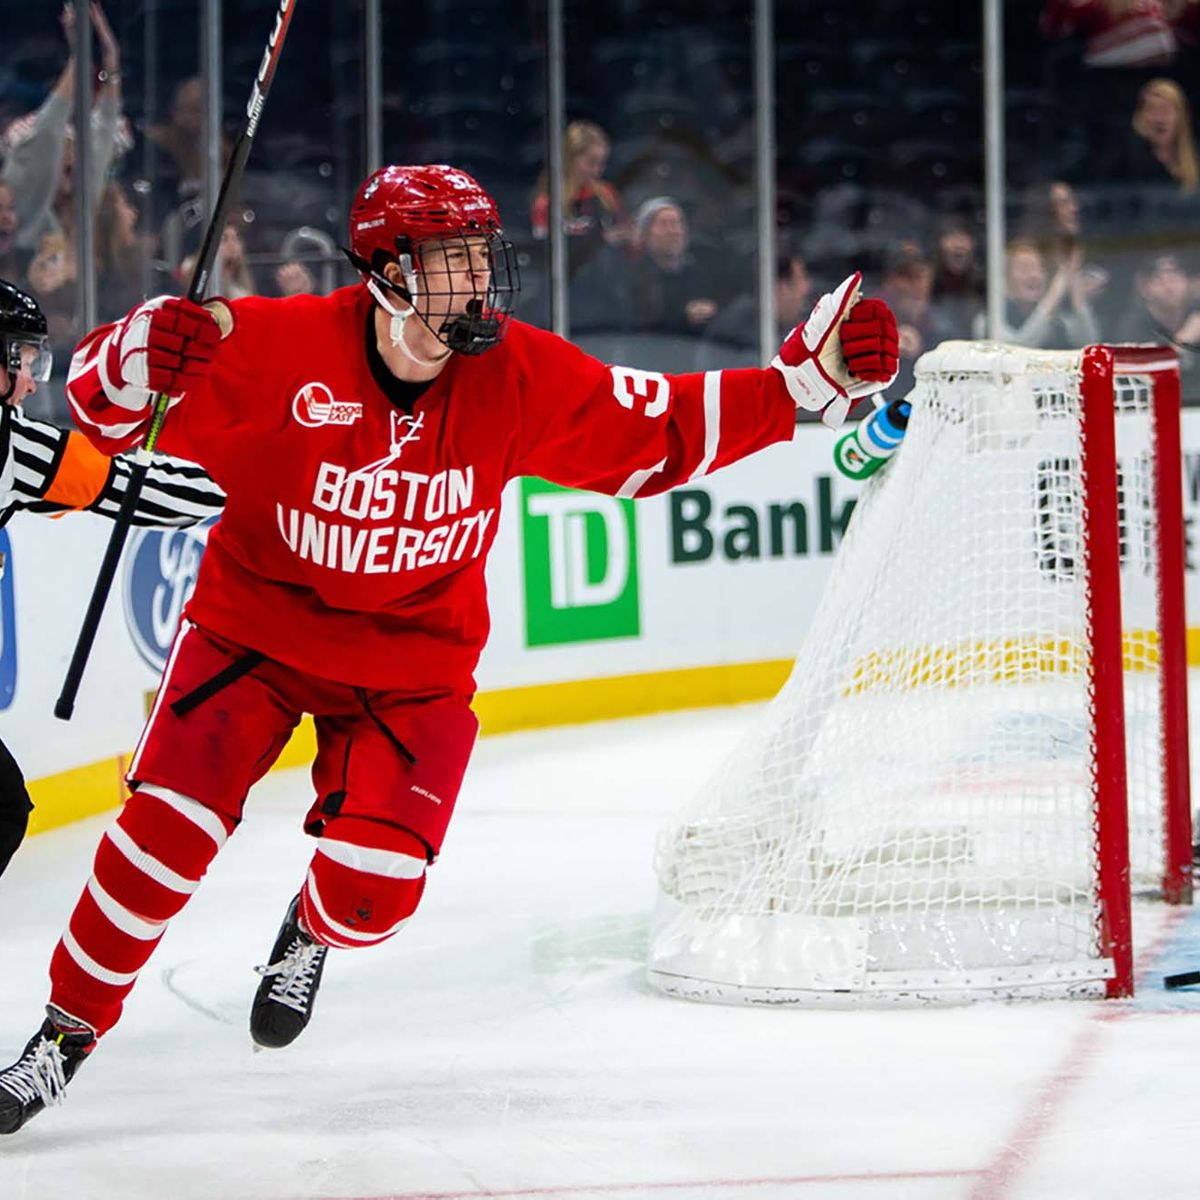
(44, 469)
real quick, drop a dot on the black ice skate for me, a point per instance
(40, 1076)
(284, 1000)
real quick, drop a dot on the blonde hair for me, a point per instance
(1184, 168)
(579, 137)
(1022, 244)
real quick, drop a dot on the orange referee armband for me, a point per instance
(81, 474)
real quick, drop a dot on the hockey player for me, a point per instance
(45, 469)
(364, 438)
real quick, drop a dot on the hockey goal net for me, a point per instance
(984, 737)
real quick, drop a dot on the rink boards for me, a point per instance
(600, 608)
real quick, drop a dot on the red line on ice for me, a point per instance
(1047, 1102)
(616, 1189)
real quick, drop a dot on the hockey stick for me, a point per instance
(65, 705)
(1185, 979)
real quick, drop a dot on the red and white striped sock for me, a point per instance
(364, 882)
(147, 866)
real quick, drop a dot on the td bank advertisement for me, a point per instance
(724, 569)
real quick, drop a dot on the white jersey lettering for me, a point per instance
(375, 493)
(408, 542)
(414, 479)
(377, 549)
(312, 538)
(353, 541)
(381, 549)
(461, 489)
(385, 495)
(357, 496)
(435, 497)
(289, 531)
(449, 542)
(482, 522)
(433, 545)
(330, 478)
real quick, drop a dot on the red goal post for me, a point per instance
(984, 740)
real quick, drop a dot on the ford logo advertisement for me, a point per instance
(8, 624)
(160, 573)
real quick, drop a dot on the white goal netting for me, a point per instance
(914, 817)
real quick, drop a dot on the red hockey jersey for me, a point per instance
(354, 534)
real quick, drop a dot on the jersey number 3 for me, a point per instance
(632, 387)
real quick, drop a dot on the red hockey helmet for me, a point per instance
(398, 211)
(398, 207)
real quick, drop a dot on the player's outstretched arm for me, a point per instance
(163, 347)
(176, 493)
(58, 470)
(632, 432)
(847, 349)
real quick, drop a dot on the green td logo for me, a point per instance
(581, 575)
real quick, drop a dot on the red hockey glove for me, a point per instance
(163, 346)
(826, 373)
(871, 342)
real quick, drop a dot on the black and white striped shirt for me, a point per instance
(45, 469)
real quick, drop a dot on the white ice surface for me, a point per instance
(505, 1044)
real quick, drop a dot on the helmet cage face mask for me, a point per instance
(458, 273)
(466, 286)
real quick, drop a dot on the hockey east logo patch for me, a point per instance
(314, 406)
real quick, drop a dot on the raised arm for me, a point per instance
(106, 111)
(629, 432)
(33, 160)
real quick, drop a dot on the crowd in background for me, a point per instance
(145, 230)
(658, 185)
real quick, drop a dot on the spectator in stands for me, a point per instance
(1166, 148)
(671, 289)
(180, 165)
(237, 280)
(1051, 221)
(1119, 33)
(180, 142)
(1165, 309)
(908, 284)
(233, 277)
(13, 262)
(127, 267)
(1164, 312)
(1041, 310)
(1050, 217)
(736, 325)
(311, 262)
(593, 213)
(53, 275)
(958, 288)
(39, 148)
(294, 278)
